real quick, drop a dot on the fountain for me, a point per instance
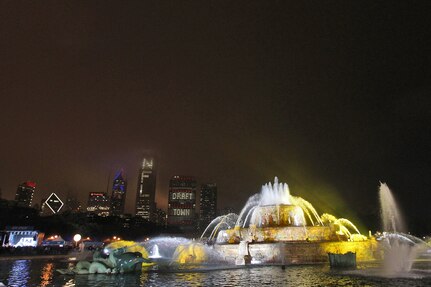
(155, 252)
(227, 220)
(391, 218)
(244, 257)
(274, 216)
(172, 252)
(163, 247)
(400, 249)
(273, 228)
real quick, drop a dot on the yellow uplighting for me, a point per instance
(190, 253)
(343, 227)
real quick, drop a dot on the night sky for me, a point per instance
(331, 97)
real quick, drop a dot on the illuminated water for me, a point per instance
(392, 220)
(38, 272)
(155, 252)
(276, 195)
(400, 249)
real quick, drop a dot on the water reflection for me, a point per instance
(196, 278)
(69, 283)
(117, 280)
(19, 273)
(46, 274)
(42, 273)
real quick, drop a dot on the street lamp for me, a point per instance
(76, 238)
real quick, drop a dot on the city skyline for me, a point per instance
(330, 97)
(117, 183)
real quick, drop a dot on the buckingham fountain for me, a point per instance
(273, 228)
(276, 227)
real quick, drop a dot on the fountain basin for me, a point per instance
(280, 234)
(298, 252)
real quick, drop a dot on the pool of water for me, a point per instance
(38, 272)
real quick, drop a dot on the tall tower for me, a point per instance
(24, 193)
(182, 202)
(146, 193)
(118, 196)
(208, 204)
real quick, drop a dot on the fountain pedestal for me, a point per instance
(244, 257)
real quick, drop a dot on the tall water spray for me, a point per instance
(392, 220)
(155, 252)
(275, 194)
(399, 253)
(270, 194)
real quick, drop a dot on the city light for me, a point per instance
(77, 237)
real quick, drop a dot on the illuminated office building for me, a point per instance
(182, 202)
(146, 191)
(118, 196)
(208, 204)
(98, 203)
(24, 193)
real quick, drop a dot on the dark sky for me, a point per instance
(331, 97)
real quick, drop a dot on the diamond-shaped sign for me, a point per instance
(54, 203)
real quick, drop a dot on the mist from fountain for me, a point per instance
(155, 252)
(308, 208)
(270, 194)
(164, 246)
(248, 215)
(279, 194)
(275, 194)
(228, 220)
(400, 249)
(392, 220)
(177, 253)
(258, 206)
(194, 253)
(251, 202)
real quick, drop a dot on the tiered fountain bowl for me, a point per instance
(281, 228)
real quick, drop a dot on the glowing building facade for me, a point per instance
(182, 202)
(98, 203)
(20, 236)
(24, 193)
(208, 204)
(146, 192)
(118, 196)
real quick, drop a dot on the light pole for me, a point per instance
(76, 238)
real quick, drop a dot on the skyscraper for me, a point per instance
(24, 193)
(208, 204)
(118, 196)
(146, 192)
(52, 205)
(98, 203)
(182, 202)
(72, 204)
